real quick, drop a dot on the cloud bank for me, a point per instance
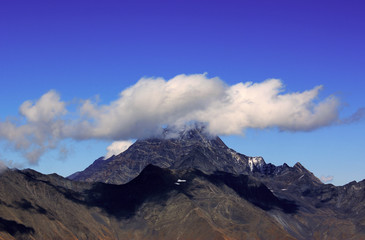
(143, 109)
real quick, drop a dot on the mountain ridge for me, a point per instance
(191, 148)
(187, 187)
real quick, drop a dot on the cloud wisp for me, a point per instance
(143, 109)
(326, 179)
(355, 117)
(5, 163)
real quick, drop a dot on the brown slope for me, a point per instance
(36, 206)
(153, 206)
(44, 209)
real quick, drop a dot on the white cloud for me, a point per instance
(46, 109)
(264, 105)
(117, 147)
(40, 128)
(143, 109)
(326, 179)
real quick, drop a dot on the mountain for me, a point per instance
(174, 204)
(158, 204)
(188, 185)
(192, 148)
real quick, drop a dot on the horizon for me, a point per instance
(279, 80)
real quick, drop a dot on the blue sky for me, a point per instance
(95, 50)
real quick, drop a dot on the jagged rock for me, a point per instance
(191, 148)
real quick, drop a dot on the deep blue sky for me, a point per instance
(86, 48)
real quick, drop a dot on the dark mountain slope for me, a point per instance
(46, 207)
(152, 206)
(173, 204)
(155, 205)
(204, 190)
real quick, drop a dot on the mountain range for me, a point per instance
(192, 148)
(185, 185)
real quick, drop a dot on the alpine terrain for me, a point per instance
(186, 185)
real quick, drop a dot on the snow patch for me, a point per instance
(235, 155)
(258, 162)
(179, 181)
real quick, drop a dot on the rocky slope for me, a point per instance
(158, 204)
(192, 148)
(175, 204)
(199, 189)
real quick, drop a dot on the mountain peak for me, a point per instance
(180, 148)
(299, 166)
(177, 149)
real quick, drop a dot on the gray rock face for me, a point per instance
(189, 149)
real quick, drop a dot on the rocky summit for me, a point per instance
(189, 186)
